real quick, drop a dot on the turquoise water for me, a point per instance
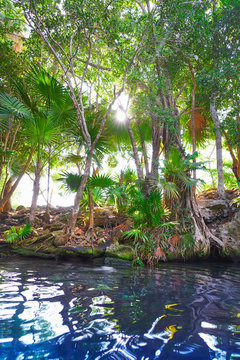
(81, 311)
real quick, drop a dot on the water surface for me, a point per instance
(81, 311)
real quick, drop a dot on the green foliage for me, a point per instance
(151, 226)
(15, 234)
(24, 231)
(11, 106)
(178, 169)
(229, 179)
(236, 202)
(136, 235)
(95, 42)
(146, 211)
(98, 180)
(72, 181)
(12, 234)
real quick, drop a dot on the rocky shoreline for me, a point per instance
(47, 239)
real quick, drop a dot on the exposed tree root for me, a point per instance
(203, 236)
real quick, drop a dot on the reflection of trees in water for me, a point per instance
(179, 328)
(131, 314)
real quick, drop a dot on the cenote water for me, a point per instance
(81, 311)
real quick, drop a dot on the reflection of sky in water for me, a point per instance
(64, 311)
(212, 343)
(41, 321)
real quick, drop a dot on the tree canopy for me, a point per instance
(171, 68)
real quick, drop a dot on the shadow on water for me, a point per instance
(74, 311)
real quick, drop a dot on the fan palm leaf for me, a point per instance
(44, 86)
(72, 181)
(22, 92)
(11, 106)
(42, 130)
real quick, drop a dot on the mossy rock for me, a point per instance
(120, 251)
(85, 252)
(34, 253)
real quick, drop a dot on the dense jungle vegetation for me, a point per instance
(169, 70)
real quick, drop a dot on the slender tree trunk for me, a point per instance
(238, 167)
(235, 161)
(13, 188)
(36, 189)
(135, 151)
(76, 206)
(4, 149)
(8, 206)
(118, 201)
(91, 210)
(48, 179)
(145, 157)
(156, 141)
(193, 113)
(213, 110)
(3, 191)
(8, 162)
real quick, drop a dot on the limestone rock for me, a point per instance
(59, 239)
(120, 251)
(213, 209)
(56, 226)
(104, 217)
(21, 208)
(229, 233)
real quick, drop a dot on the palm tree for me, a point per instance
(12, 108)
(95, 184)
(44, 104)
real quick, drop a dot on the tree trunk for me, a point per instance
(4, 149)
(145, 157)
(156, 141)
(203, 236)
(8, 206)
(36, 189)
(238, 167)
(135, 151)
(91, 210)
(76, 206)
(235, 161)
(193, 113)
(13, 188)
(48, 178)
(220, 186)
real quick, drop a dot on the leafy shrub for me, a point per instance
(15, 234)
(152, 227)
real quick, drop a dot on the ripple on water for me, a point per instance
(67, 311)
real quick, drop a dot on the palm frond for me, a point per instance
(44, 86)
(101, 181)
(71, 182)
(23, 93)
(63, 110)
(11, 106)
(42, 129)
(4, 122)
(73, 158)
(169, 188)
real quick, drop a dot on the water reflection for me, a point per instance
(66, 311)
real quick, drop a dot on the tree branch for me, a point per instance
(141, 6)
(97, 66)
(187, 112)
(178, 94)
